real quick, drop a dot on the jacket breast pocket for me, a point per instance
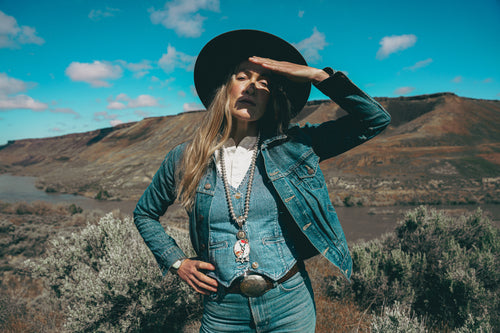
(309, 174)
(219, 251)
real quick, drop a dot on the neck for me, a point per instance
(241, 129)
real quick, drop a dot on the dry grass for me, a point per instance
(25, 229)
(334, 315)
(340, 316)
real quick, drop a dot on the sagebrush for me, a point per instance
(443, 268)
(106, 279)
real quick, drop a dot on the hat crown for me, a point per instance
(221, 55)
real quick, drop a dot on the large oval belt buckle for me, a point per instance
(253, 285)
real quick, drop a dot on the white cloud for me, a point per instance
(140, 101)
(116, 106)
(174, 59)
(66, 111)
(115, 122)
(12, 35)
(10, 86)
(419, 64)
(488, 80)
(403, 90)
(392, 44)
(122, 97)
(138, 75)
(140, 68)
(103, 115)
(301, 13)
(98, 14)
(95, 73)
(457, 79)
(182, 16)
(21, 102)
(143, 101)
(192, 107)
(311, 46)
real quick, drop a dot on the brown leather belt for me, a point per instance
(254, 285)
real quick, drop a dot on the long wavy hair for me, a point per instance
(215, 129)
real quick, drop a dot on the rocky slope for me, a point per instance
(440, 148)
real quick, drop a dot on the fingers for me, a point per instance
(294, 72)
(190, 271)
(281, 67)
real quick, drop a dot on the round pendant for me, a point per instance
(242, 250)
(241, 234)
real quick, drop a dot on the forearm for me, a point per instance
(356, 102)
(159, 195)
(365, 119)
(163, 246)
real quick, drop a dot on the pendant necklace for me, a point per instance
(241, 247)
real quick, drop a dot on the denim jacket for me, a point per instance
(291, 163)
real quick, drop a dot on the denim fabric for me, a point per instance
(270, 253)
(291, 163)
(289, 307)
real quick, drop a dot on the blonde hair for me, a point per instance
(215, 129)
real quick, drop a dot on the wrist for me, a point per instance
(320, 76)
(176, 265)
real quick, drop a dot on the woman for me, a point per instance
(256, 198)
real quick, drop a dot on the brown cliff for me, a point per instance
(439, 148)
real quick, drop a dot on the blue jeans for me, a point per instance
(288, 307)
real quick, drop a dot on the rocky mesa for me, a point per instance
(439, 149)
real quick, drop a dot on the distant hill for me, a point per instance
(440, 148)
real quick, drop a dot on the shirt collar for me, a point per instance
(248, 142)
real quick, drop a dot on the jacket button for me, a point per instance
(309, 170)
(255, 265)
(202, 246)
(208, 186)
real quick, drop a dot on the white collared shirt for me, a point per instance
(237, 159)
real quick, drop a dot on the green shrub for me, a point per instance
(106, 280)
(446, 269)
(397, 319)
(102, 195)
(74, 209)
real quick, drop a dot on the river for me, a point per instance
(358, 222)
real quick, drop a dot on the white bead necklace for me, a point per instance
(241, 247)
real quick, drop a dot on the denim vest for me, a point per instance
(291, 163)
(270, 253)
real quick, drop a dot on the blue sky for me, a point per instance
(78, 65)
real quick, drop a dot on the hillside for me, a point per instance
(440, 148)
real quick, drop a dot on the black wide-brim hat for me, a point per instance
(220, 57)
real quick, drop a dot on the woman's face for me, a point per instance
(249, 92)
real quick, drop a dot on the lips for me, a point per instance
(246, 101)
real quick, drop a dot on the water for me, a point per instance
(358, 222)
(20, 188)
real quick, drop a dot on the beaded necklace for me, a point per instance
(241, 248)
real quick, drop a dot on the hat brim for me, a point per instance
(220, 56)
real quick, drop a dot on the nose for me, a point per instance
(250, 88)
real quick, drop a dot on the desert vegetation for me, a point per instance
(433, 273)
